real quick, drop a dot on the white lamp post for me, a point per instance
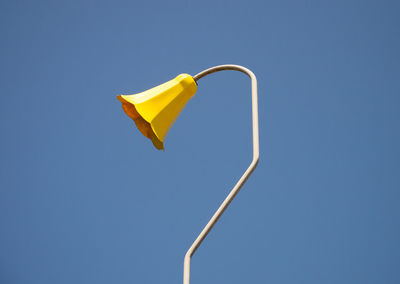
(155, 110)
(245, 176)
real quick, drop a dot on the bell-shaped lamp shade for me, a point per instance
(155, 110)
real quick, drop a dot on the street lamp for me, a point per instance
(155, 110)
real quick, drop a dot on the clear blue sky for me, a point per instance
(85, 198)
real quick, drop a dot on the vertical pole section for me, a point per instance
(245, 176)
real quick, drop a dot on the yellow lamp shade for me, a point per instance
(155, 110)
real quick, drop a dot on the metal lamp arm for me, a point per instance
(245, 176)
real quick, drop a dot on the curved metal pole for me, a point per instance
(247, 173)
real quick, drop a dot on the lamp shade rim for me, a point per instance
(141, 123)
